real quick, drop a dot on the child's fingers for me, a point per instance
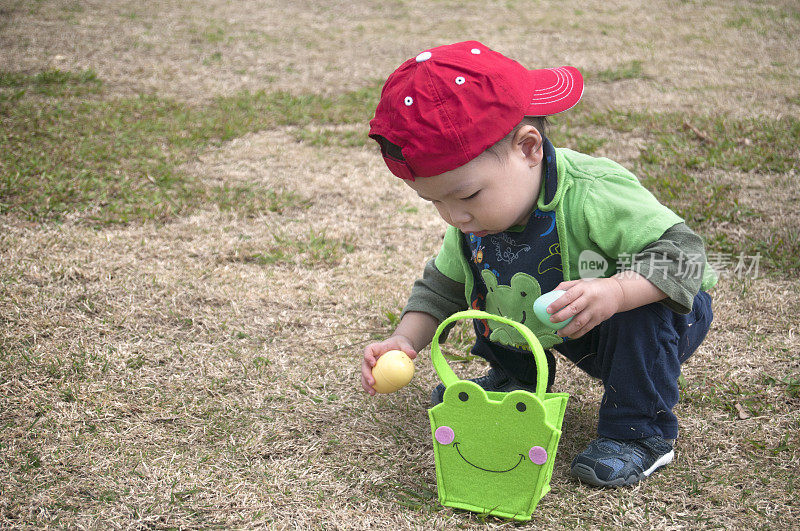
(563, 301)
(367, 388)
(570, 310)
(575, 334)
(371, 353)
(566, 284)
(366, 373)
(579, 319)
(367, 380)
(571, 329)
(394, 343)
(406, 346)
(580, 325)
(370, 356)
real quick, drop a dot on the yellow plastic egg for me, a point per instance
(392, 371)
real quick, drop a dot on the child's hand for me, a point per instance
(375, 351)
(588, 301)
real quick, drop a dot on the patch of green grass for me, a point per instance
(73, 7)
(268, 257)
(392, 318)
(587, 144)
(791, 384)
(630, 70)
(779, 248)
(314, 250)
(67, 148)
(32, 461)
(459, 344)
(52, 83)
(18, 354)
(213, 33)
(249, 199)
(414, 495)
(135, 362)
(215, 57)
(739, 22)
(316, 137)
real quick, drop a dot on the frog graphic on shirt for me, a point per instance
(515, 301)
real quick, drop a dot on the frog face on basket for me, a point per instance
(487, 436)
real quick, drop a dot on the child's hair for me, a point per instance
(541, 123)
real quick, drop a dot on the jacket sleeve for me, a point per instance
(675, 264)
(436, 294)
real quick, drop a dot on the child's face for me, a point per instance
(487, 196)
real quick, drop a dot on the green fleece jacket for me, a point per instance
(605, 219)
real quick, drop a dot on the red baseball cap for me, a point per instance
(447, 105)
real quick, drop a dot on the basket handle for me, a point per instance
(449, 377)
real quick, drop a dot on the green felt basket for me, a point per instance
(494, 452)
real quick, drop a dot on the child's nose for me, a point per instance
(459, 216)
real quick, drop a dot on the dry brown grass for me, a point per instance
(698, 55)
(163, 376)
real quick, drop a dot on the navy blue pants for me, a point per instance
(637, 355)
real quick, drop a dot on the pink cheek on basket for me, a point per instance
(538, 455)
(444, 434)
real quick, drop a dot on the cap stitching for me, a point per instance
(563, 88)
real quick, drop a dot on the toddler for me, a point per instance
(465, 127)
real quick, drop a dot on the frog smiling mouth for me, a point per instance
(521, 458)
(524, 316)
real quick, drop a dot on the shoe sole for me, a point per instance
(587, 475)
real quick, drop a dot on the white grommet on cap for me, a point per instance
(409, 101)
(475, 51)
(424, 56)
(460, 80)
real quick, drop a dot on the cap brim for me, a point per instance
(554, 90)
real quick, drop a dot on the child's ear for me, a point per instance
(529, 140)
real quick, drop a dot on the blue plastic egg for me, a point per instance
(540, 309)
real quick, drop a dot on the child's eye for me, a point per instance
(473, 196)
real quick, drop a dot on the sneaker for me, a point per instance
(613, 463)
(495, 380)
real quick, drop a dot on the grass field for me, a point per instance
(186, 282)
